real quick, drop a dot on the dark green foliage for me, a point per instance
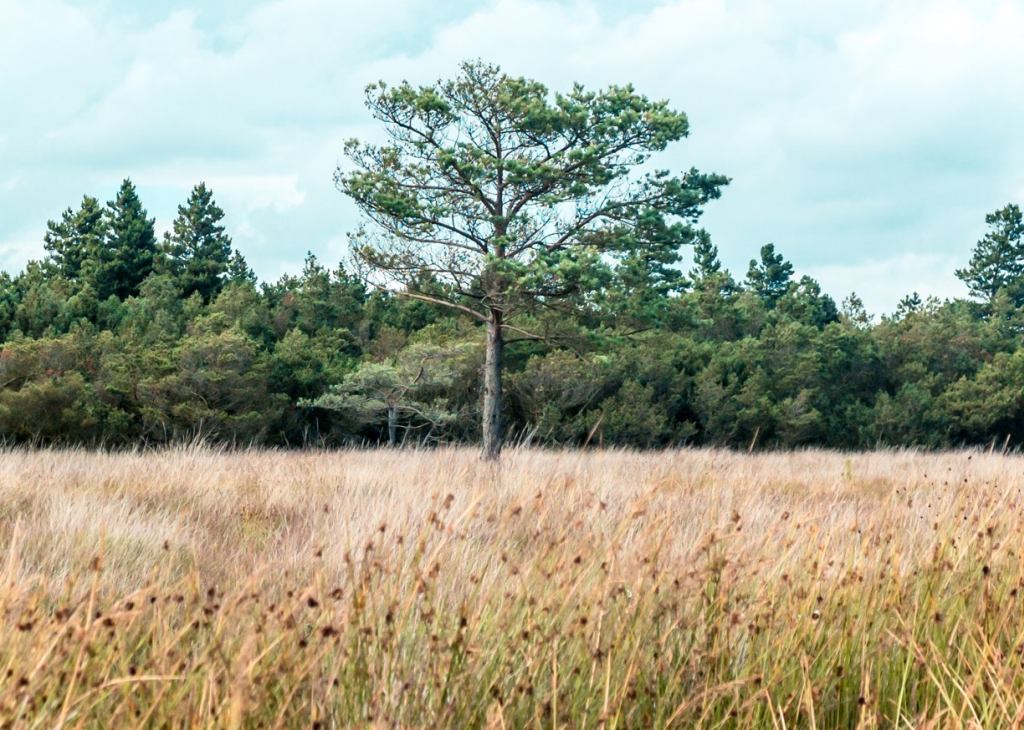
(805, 302)
(645, 359)
(991, 403)
(998, 259)
(129, 252)
(908, 305)
(770, 276)
(198, 250)
(74, 243)
(9, 299)
(705, 258)
(238, 270)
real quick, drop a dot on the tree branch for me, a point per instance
(444, 303)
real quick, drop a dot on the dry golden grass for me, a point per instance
(560, 589)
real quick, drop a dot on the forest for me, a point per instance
(118, 338)
(534, 293)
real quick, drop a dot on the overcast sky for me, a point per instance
(866, 139)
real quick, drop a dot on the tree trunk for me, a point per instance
(392, 426)
(493, 365)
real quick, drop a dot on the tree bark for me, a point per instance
(392, 426)
(493, 364)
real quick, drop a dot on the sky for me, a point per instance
(865, 139)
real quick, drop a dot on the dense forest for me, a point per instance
(521, 273)
(118, 338)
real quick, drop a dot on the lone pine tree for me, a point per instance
(515, 198)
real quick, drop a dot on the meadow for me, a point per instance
(597, 589)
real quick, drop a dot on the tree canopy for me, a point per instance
(198, 250)
(128, 253)
(514, 198)
(997, 263)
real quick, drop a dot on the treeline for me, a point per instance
(118, 338)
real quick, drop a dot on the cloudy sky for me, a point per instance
(866, 139)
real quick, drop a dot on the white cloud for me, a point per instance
(249, 193)
(882, 282)
(280, 193)
(20, 245)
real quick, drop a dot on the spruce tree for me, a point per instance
(198, 249)
(74, 242)
(129, 253)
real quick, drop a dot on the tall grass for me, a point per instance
(559, 589)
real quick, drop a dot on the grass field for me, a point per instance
(561, 589)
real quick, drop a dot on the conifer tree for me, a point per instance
(198, 249)
(770, 277)
(239, 270)
(705, 258)
(129, 252)
(908, 305)
(854, 312)
(514, 197)
(74, 242)
(998, 259)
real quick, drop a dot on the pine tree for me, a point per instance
(908, 305)
(198, 249)
(130, 251)
(239, 271)
(998, 259)
(74, 242)
(515, 198)
(770, 277)
(59, 242)
(705, 258)
(854, 312)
